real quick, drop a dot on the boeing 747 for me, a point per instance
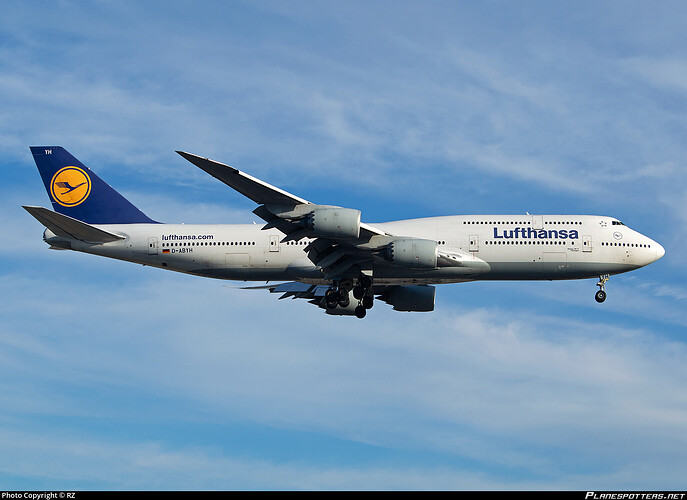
(326, 254)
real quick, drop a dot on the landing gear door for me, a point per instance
(474, 243)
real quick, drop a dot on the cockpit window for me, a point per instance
(617, 223)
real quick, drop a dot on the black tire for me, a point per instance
(344, 301)
(360, 312)
(600, 296)
(368, 301)
(331, 299)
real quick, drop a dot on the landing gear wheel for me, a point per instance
(601, 294)
(360, 312)
(344, 301)
(331, 298)
(368, 301)
(358, 292)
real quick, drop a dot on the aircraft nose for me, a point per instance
(660, 251)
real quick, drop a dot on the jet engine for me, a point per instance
(334, 222)
(413, 252)
(410, 298)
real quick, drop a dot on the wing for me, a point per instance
(341, 240)
(410, 298)
(255, 189)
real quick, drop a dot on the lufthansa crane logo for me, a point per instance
(70, 186)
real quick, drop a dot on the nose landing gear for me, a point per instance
(601, 294)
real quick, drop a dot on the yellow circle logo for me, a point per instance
(70, 186)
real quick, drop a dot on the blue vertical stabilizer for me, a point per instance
(78, 192)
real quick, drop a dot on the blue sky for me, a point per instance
(117, 376)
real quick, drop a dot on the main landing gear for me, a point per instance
(363, 305)
(339, 295)
(360, 292)
(601, 294)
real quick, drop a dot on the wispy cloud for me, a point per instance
(508, 386)
(670, 73)
(487, 386)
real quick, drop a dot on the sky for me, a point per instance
(121, 377)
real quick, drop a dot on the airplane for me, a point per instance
(326, 254)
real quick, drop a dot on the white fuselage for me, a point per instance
(510, 247)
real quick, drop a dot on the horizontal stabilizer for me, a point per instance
(68, 227)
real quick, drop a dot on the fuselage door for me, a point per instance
(586, 243)
(274, 242)
(474, 243)
(152, 246)
(537, 222)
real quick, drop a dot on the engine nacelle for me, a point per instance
(414, 253)
(334, 222)
(410, 298)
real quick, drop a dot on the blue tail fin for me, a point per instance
(76, 191)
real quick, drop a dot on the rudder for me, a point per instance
(76, 191)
